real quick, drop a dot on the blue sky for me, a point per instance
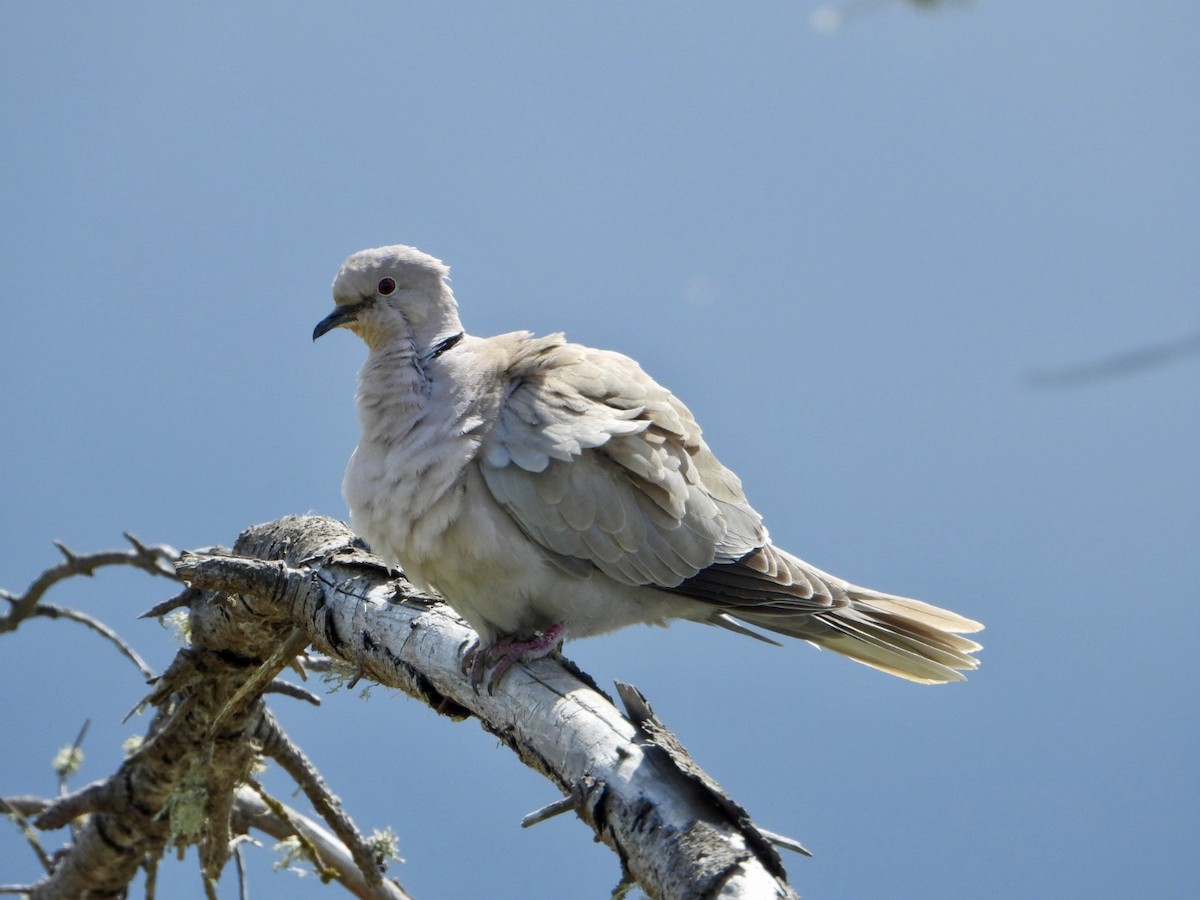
(846, 252)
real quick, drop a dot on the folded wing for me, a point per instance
(605, 468)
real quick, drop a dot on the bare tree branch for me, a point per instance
(156, 560)
(641, 800)
(303, 579)
(178, 788)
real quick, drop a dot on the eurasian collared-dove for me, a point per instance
(549, 490)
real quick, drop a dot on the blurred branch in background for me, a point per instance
(831, 18)
(1118, 365)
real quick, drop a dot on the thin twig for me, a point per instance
(549, 811)
(263, 676)
(241, 872)
(787, 843)
(150, 867)
(308, 849)
(67, 808)
(156, 560)
(72, 763)
(18, 808)
(52, 611)
(279, 747)
(258, 810)
(287, 689)
(161, 609)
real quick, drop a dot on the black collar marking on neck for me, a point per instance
(443, 345)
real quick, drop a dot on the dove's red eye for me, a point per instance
(387, 286)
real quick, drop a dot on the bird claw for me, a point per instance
(474, 663)
(500, 655)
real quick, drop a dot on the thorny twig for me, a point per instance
(157, 560)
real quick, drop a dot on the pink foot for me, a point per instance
(502, 653)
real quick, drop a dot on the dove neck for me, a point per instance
(433, 322)
(395, 392)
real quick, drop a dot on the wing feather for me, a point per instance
(595, 460)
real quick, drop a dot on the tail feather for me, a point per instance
(771, 589)
(898, 635)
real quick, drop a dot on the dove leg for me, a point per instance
(501, 654)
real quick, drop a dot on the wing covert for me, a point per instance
(596, 461)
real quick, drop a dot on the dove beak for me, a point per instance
(336, 319)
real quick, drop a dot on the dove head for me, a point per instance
(393, 294)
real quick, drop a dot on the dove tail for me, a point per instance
(903, 637)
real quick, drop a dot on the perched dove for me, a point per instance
(549, 490)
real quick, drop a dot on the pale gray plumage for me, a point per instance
(535, 482)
